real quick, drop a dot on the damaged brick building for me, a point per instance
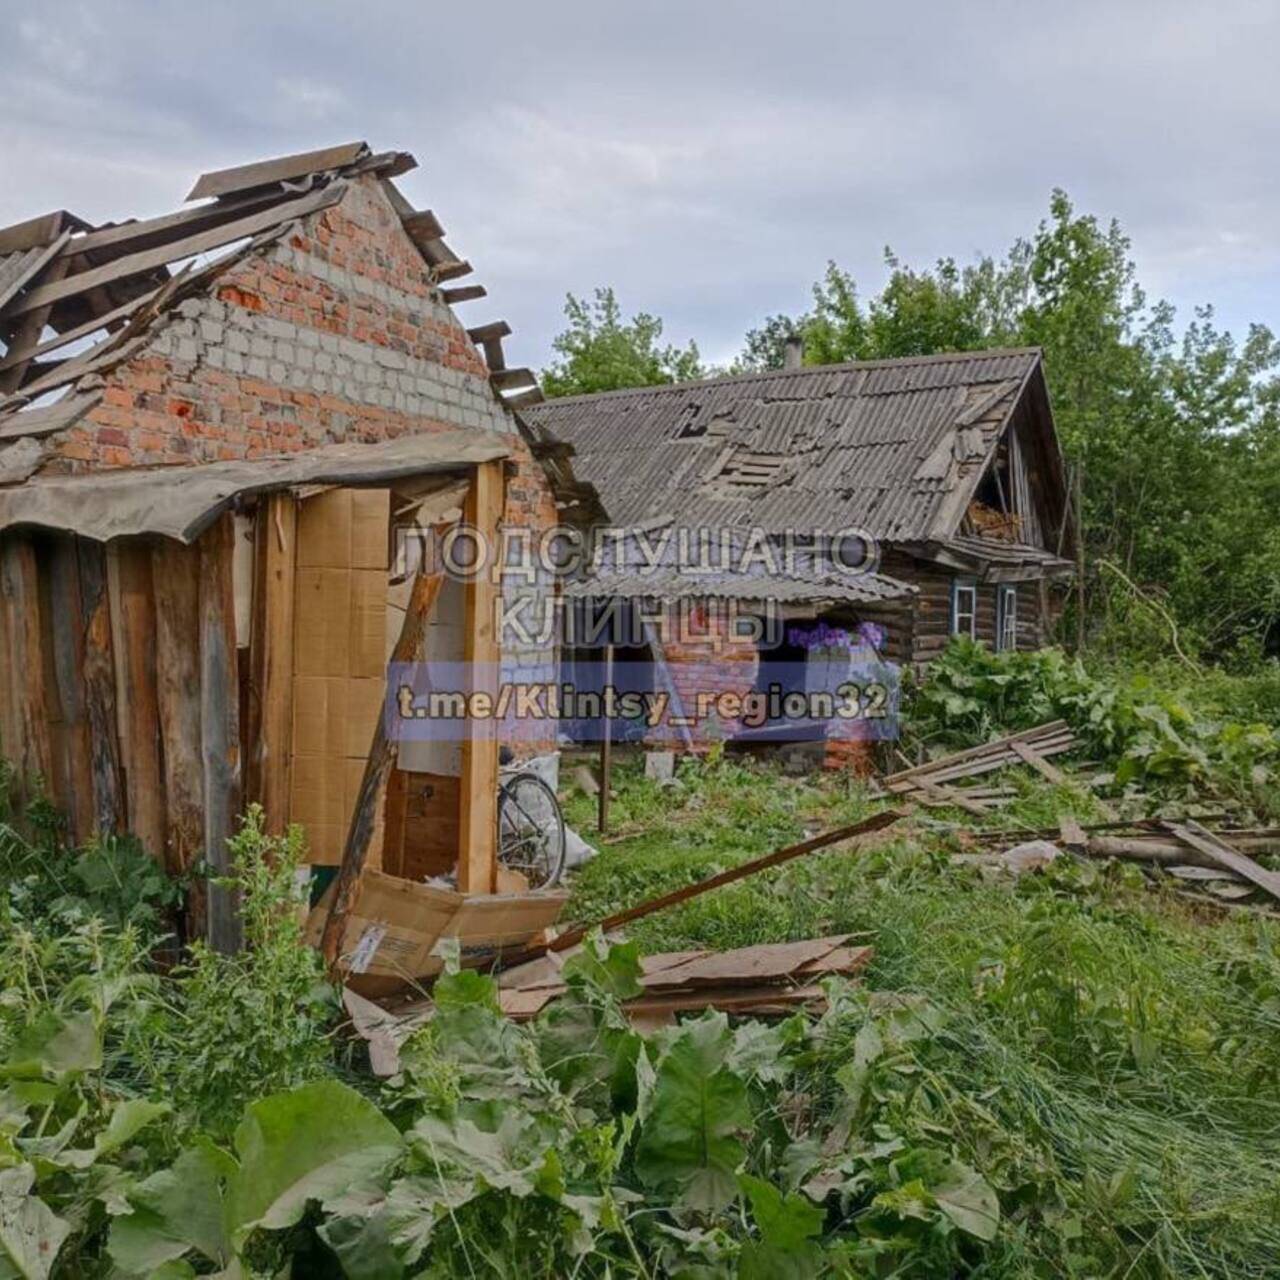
(215, 424)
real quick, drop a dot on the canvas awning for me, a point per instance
(180, 502)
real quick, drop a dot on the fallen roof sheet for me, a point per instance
(824, 447)
(181, 501)
(996, 551)
(675, 584)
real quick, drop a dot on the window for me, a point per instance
(1006, 617)
(964, 608)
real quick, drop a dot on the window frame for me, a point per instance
(1006, 617)
(959, 585)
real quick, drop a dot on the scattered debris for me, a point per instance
(929, 782)
(660, 766)
(1034, 855)
(773, 978)
(770, 980)
(585, 781)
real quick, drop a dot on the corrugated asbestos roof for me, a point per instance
(101, 288)
(889, 447)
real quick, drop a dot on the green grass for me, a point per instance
(1110, 1059)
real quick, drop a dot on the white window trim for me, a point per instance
(1007, 618)
(959, 585)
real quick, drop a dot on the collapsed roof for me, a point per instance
(894, 448)
(76, 299)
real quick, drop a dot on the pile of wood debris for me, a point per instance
(932, 783)
(1214, 865)
(765, 980)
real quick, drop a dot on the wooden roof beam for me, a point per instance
(490, 336)
(151, 259)
(246, 177)
(464, 293)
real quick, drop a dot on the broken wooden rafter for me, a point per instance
(1222, 854)
(150, 233)
(16, 275)
(151, 259)
(868, 826)
(422, 226)
(261, 173)
(36, 233)
(80, 331)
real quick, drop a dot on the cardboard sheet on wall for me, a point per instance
(398, 926)
(339, 658)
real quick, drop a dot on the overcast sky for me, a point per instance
(704, 157)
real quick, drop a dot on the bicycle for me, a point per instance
(531, 837)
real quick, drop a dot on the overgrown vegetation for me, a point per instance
(1071, 1072)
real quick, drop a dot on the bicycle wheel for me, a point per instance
(531, 830)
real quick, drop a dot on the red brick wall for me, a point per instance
(257, 367)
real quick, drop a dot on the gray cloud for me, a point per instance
(704, 158)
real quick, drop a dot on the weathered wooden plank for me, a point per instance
(271, 657)
(80, 331)
(464, 293)
(244, 177)
(100, 687)
(482, 653)
(876, 822)
(30, 267)
(382, 755)
(175, 573)
(48, 419)
(1221, 853)
(140, 745)
(25, 335)
(150, 233)
(67, 631)
(944, 795)
(219, 725)
(1029, 755)
(31, 750)
(151, 259)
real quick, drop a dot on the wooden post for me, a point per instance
(100, 687)
(175, 573)
(27, 724)
(478, 824)
(382, 756)
(68, 632)
(141, 745)
(219, 724)
(606, 746)
(271, 657)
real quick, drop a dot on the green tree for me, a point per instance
(601, 352)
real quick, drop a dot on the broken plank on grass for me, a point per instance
(1219, 851)
(876, 822)
(1029, 755)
